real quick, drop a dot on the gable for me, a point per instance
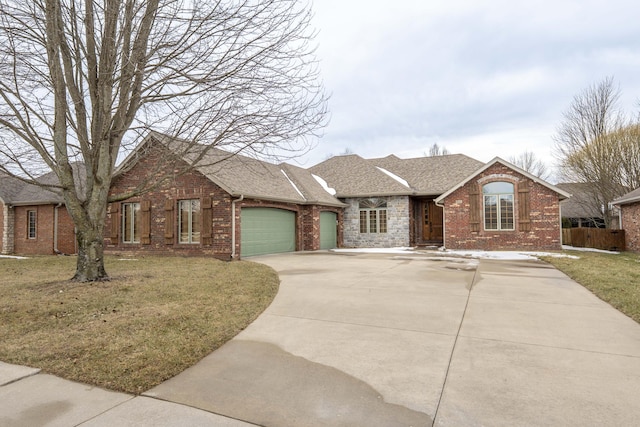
(237, 174)
(513, 171)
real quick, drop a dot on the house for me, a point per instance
(227, 205)
(449, 200)
(33, 219)
(230, 205)
(580, 210)
(629, 205)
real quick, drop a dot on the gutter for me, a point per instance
(233, 225)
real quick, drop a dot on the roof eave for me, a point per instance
(626, 201)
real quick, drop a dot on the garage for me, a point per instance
(328, 230)
(267, 231)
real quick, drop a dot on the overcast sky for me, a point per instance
(483, 78)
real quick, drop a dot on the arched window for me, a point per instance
(498, 205)
(373, 216)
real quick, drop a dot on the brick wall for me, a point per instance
(66, 232)
(163, 222)
(42, 244)
(398, 220)
(631, 225)
(544, 233)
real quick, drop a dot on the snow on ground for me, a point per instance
(13, 257)
(573, 248)
(498, 255)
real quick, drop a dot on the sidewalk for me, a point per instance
(29, 398)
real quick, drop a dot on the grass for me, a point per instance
(155, 318)
(614, 278)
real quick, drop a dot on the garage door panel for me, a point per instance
(328, 230)
(267, 230)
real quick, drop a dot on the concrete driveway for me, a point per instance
(384, 340)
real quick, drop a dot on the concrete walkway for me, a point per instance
(384, 340)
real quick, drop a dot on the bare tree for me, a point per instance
(588, 145)
(436, 150)
(81, 80)
(529, 162)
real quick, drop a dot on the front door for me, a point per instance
(431, 222)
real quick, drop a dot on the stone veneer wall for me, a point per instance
(398, 218)
(631, 225)
(8, 224)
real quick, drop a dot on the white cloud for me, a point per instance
(486, 79)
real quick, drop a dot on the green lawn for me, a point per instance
(614, 278)
(156, 317)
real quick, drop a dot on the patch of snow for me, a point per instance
(324, 185)
(602, 251)
(508, 255)
(394, 176)
(13, 257)
(456, 254)
(294, 186)
(375, 250)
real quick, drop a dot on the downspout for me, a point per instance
(444, 221)
(233, 225)
(55, 229)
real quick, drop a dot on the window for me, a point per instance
(373, 216)
(31, 224)
(189, 221)
(498, 206)
(131, 222)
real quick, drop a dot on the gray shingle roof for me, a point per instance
(631, 197)
(580, 205)
(16, 192)
(252, 178)
(353, 176)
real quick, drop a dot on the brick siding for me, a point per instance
(544, 234)
(631, 225)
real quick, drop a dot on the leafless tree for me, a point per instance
(589, 145)
(529, 162)
(436, 150)
(81, 80)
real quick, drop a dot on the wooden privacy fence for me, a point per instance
(597, 238)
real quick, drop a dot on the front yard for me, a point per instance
(155, 318)
(614, 278)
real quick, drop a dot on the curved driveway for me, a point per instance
(384, 340)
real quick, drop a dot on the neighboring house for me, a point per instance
(629, 205)
(226, 206)
(580, 210)
(33, 219)
(449, 200)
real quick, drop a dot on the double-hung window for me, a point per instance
(498, 206)
(189, 221)
(32, 219)
(373, 216)
(131, 222)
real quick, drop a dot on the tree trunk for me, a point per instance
(90, 266)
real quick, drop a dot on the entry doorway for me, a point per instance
(432, 222)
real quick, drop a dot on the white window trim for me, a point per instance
(190, 222)
(35, 224)
(499, 212)
(134, 211)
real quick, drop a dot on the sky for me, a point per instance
(482, 78)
